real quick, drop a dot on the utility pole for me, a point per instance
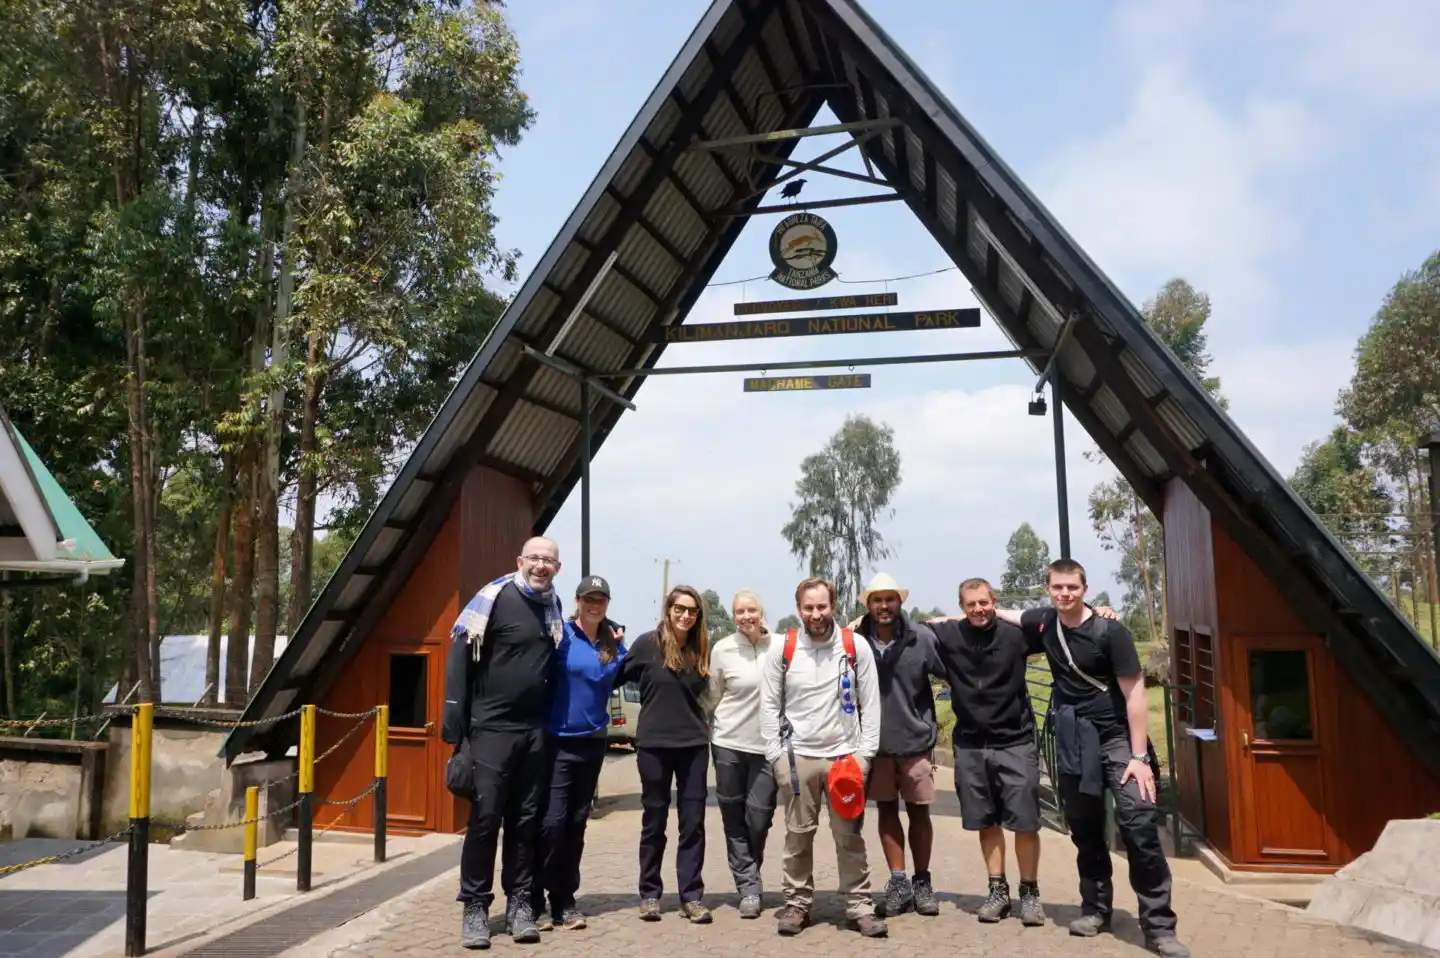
(665, 579)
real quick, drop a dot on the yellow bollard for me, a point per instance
(382, 764)
(307, 797)
(252, 838)
(138, 866)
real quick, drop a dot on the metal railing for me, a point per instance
(137, 832)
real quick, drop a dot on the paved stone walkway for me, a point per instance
(1215, 922)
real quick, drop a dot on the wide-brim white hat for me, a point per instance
(883, 583)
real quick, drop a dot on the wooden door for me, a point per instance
(416, 679)
(1282, 769)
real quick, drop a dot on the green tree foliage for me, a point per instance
(844, 491)
(245, 250)
(1397, 363)
(788, 622)
(717, 617)
(1026, 558)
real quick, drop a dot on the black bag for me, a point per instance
(460, 772)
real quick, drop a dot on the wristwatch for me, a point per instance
(1139, 758)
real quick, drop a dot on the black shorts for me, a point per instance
(999, 786)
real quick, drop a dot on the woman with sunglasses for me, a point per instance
(744, 784)
(672, 737)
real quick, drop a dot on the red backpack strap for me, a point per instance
(788, 654)
(847, 639)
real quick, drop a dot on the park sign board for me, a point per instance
(865, 301)
(820, 326)
(802, 249)
(780, 384)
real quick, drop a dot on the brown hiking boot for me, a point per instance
(791, 920)
(695, 912)
(871, 927)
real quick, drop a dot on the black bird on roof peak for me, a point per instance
(792, 189)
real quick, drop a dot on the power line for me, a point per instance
(841, 279)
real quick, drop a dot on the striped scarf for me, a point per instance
(470, 625)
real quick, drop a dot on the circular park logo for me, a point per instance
(802, 247)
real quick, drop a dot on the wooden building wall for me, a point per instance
(1270, 802)
(478, 541)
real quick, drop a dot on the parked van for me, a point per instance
(624, 713)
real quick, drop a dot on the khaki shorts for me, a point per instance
(911, 779)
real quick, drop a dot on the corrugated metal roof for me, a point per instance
(664, 209)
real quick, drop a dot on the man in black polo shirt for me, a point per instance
(997, 764)
(497, 699)
(1102, 742)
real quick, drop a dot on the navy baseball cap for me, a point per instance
(592, 585)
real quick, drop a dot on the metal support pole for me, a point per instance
(137, 873)
(382, 773)
(306, 833)
(1431, 444)
(252, 835)
(863, 361)
(1062, 493)
(584, 477)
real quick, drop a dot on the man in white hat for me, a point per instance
(906, 656)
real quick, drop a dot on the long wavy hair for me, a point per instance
(690, 651)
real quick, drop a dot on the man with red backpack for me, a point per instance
(820, 719)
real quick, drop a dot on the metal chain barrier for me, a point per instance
(347, 715)
(55, 722)
(349, 803)
(190, 715)
(64, 856)
(341, 740)
(181, 828)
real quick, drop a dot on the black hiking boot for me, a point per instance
(1032, 913)
(899, 897)
(996, 906)
(475, 926)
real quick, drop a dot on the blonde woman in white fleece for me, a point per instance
(744, 784)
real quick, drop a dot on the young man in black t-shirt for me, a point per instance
(1100, 713)
(997, 763)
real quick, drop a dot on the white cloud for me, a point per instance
(1178, 187)
(1382, 53)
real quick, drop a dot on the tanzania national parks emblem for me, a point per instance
(802, 247)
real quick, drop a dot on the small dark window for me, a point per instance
(1280, 695)
(409, 704)
(632, 692)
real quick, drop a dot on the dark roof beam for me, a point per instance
(685, 192)
(619, 269)
(735, 181)
(720, 236)
(767, 63)
(819, 204)
(644, 223)
(857, 140)
(736, 102)
(762, 139)
(1409, 718)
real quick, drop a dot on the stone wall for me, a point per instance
(1393, 889)
(185, 766)
(51, 788)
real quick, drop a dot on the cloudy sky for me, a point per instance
(1283, 157)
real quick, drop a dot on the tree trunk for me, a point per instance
(5, 642)
(267, 595)
(237, 651)
(218, 567)
(302, 538)
(1144, 560)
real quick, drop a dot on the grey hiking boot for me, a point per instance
(899, 898)
(522, 924)
(1088, 926)
(650, 909)
(1032, 913)
(996, 906)
(925, 903)
(572, 919)
(750, 906)
(475, 926)
(1168, 947)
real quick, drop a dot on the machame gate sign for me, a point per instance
(778, 384)
(820, 326)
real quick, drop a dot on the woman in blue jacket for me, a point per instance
(582, 677)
